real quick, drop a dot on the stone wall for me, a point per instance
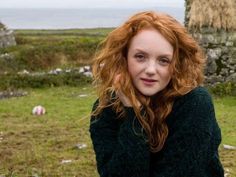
(6, 37)
(220, 49)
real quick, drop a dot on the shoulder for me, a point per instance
(194, 109)
(198, 97)
(201, 91)
(106, 115)
(105, 109)
(194, 106)
(197, 92)
(95, 104)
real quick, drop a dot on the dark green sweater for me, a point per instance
(190, 150)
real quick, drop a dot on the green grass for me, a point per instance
(31, 145)
(226, 115)
(37, 144)
(81, 32)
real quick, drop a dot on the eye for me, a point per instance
(164, 61)
(139, 57)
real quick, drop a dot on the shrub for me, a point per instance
(15, 81)
(223, 89)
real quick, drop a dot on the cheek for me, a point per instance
(166, 74)
(168, 77)
(135, 69)
(131, 67)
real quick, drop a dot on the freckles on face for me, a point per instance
(149, 57)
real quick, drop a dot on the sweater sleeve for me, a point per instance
(121, 149)
(192, 141)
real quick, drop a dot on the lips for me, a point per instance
(148, 82)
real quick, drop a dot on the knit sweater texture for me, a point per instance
(190, 150)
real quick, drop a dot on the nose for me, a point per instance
(150, 68)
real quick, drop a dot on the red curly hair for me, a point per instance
(186, 68)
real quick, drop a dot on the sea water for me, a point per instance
(75, 18)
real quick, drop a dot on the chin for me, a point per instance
(149, 94)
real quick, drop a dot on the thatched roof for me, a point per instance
(219, 14)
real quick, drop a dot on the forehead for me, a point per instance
(151, 40)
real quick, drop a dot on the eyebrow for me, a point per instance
(140, 50)
(167, 56)
(162, 55)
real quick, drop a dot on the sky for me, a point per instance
(89, 3)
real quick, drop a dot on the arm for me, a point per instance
(120, 151)
(193, 140)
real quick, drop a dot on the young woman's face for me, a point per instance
(149, 58)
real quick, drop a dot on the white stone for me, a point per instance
(87, 68)
(81, 70)
(88, 74)
(58, 70)
(83, 95)
(81, 145)
(66, 161)
(229, 147)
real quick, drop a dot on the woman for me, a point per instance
(152, 117)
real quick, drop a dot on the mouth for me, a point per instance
(148, 81)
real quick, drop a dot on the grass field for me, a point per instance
(226, 115)
(37, 145)
(74, 32)
(40, 50)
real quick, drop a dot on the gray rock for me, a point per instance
(231, 78)
(9, 94)
(229, 43)
(211, 67)
(224, 72)
(6, 37)
(220, 49)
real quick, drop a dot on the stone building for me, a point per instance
(6, 37)
(213, 24)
